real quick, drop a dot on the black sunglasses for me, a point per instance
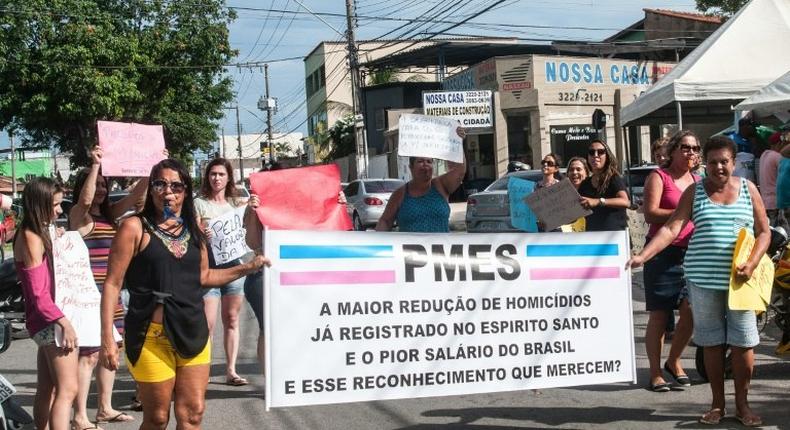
(160, 185)
(690, 148)
(598, 152)
(548, 163)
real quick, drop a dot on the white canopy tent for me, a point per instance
(742, 56)
(774, 99)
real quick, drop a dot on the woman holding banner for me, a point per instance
(218, 196)
(93, 216)
(162, 259)
(719, 206)
(665, 285)
(422, 204)
(56, 382)
(604, 191)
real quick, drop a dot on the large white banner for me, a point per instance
(75, 290)
(358, 316)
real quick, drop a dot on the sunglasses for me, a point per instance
(598, 152)
(690, 148)
(547, 163)
(160, 185)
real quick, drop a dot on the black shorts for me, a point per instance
(665, 282)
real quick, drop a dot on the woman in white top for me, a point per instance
(218, 196)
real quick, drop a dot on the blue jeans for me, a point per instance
(716, 324)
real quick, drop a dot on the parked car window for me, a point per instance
(352, 189)
(382, 186)
(501, 183)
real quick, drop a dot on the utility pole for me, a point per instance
(223, 143)
(356, 93)
(269, 103)
(13, 164)
(238, 136)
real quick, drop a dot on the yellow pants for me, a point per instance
(159, 360)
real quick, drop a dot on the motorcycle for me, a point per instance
(12, 302)
(12, 416)
(778, 310)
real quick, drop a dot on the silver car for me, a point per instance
(367, 199)
(489, 210)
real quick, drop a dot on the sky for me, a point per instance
(262, 35)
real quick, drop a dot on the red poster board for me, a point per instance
(303, 198)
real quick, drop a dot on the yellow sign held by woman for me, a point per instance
(755, 292)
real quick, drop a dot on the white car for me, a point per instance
(367, 199)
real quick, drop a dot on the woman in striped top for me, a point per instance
(719, 206)
(93, 216)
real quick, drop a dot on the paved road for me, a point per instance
(592, 407)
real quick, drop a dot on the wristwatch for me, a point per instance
(602, 201)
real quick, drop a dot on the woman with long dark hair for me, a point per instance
(218, 196)
(604, 191)
(162, 259)
(93, 216)
(56, 381)
(665, 284)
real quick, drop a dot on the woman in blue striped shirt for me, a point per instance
(720, 206)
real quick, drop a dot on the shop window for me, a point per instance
(519, 129)
(381, 119)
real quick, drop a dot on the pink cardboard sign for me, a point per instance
(130, 149)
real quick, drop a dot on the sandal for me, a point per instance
(713, 416)
(136, 405)
(236, 381)
(750, 420)
(120, 417)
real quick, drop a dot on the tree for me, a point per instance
(720, 7)
(64, 64)
(342, 138)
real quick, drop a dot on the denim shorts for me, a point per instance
(665, 285)
(253, 291)
(235, 288)
(716, 324)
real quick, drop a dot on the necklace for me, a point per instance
(175, 244)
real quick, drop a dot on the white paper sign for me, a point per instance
(228, 236)
(556, 205)
(75, 290)
(371, 316)
(429, 136)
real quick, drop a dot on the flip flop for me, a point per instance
(121, 417)
(713, 416)
(750, 421)
(237, 381)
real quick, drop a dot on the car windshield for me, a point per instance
(382, 186)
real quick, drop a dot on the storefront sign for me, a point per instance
(571, 140)
(369, 316)
(593, 73)
(471, 108)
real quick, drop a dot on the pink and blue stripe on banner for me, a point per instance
(578, 261)
(356, 255)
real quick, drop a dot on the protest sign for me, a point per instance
(130, 149)
(75, 290)
(753, 294)
(556, 205)
(429, 136)
(397, 315)
(521, 216)
(303, 198)
(228, 236)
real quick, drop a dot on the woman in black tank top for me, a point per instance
(161, 256)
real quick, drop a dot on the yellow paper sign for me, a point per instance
(756, 291)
